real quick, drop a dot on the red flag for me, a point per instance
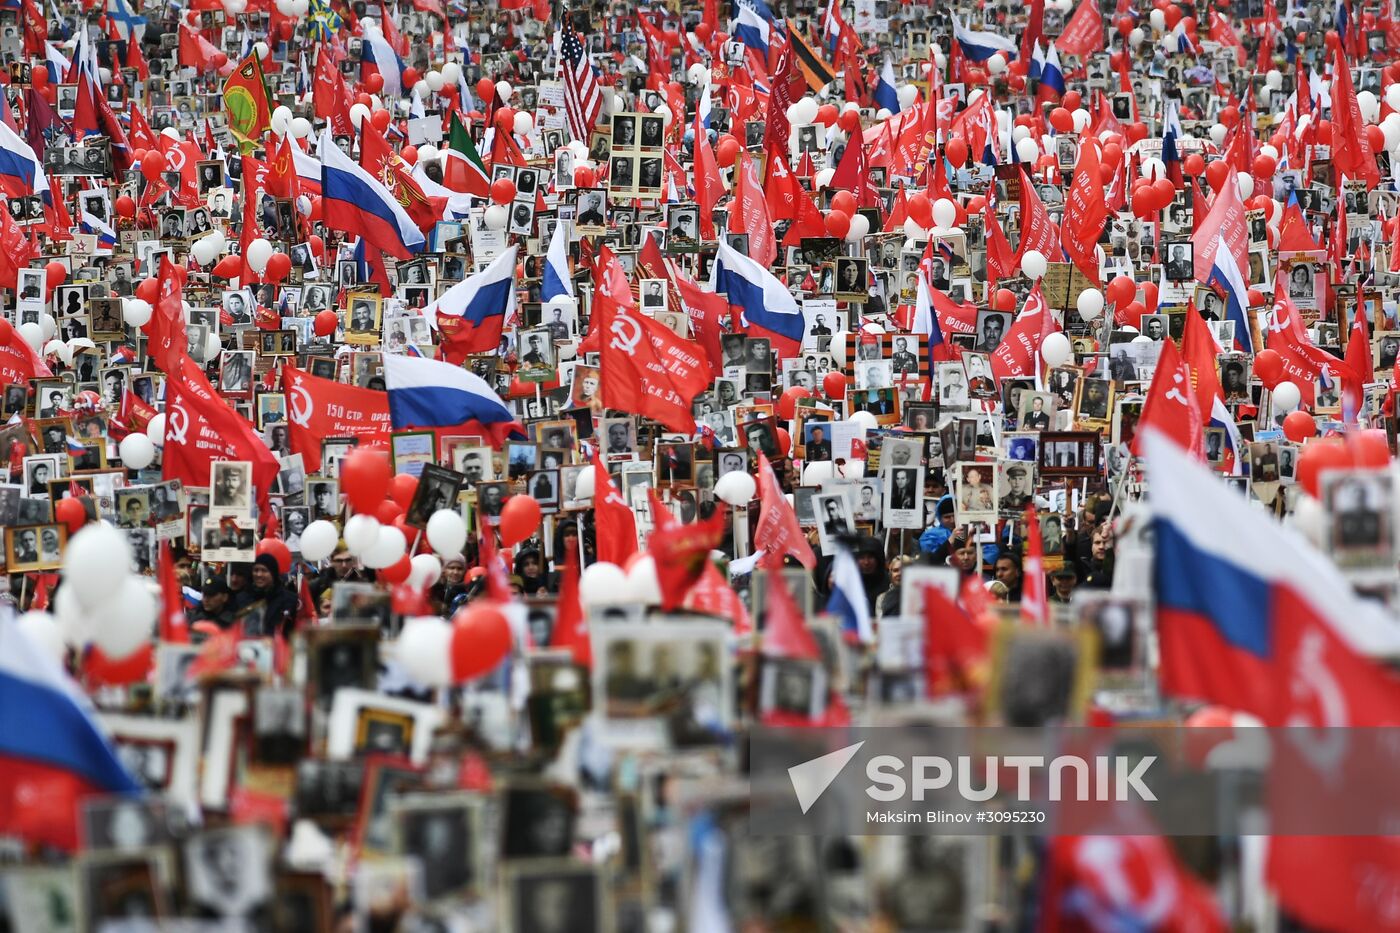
(19, 362)
(1035, 601)
(1038, 231)
(167, 345)
(709, 187)
(853, 175)
(785, 634)
(1083, 33)
(646, 369)
(1198, 351)
(613, 521)
(781, 188)
(706, 311)
(1001, 259)
(1170, 406)
(571, 625)
(681, 551)
(748, 212)
(954, 644)
(173, 625)
(329, 95)
(1018, 354)
(713, 595)
(1085, 213)
(201, 428)
(384, 164)
(1351, 148)
(319, 408)
(778, 532)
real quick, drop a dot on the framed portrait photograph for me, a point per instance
(230, 486)
(35, 547)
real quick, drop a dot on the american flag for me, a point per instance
(582, 99)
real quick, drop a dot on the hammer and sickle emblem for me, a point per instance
(627, 333)
(177, 423)
(175, 158)
(300, 401)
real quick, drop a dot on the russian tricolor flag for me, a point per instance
(355, 201)
(847, 601)
(556, 280)
(380, 56)
(752, 29)
(430, 393)
(886, 95)
(52, 753)
(481, 302)
(308, 169)
(21, 172)
(1052, 79)
(766, 307)
(978, 46)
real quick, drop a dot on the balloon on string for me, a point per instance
(71, 512)
(1286, 397)
(96, 561)
(602, 583)
(325, 322)
(137, 451)
(364, 478)
(1318, 457)
(279, 551)
(787, 402)
(401, 489)
(480, 640)
(520, 517)
(318, 540)
(736, 488)
(1368, 448)
(1268, 366)
(834, 385)
(397, 572)
(1298, 426)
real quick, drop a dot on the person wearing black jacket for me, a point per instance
(267, 607)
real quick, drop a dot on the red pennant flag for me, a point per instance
(1038, 231)
(167, 346)
(613, 521)
(785, 634)
(681, 551)
(1018, 354)
(1083, 33)
(954, 644)
(571, 626)
(1351, 148)
(174, 627)
(1085, 212)
(713, 595)
(778, 534)
(1170, 407)
(1035, 601)
(752, 213)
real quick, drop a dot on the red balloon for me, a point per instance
(486, 89)
(397, 573)
(325, 323)
(520, 517)
(827, 114)
(505, 120)
(380, 119)
(318, 245)
(1062, 120)
(1374, 136)
(375, 83)
(1216, 173)
(920, 210)
(401, 489)
(503, 191)
(148, 290)
(1165, 190)
(1317, 458)
(787, 402)
(838, 224)
(1369, 449)
(843, 202)
(363, 98)
(70, 512)
(279, 265)
(364, 478)
(1121, 290)
(225, 268)
(1268, 366)
(480, 640)
(1194, 164)
(784, 442)
(1264, 164)
(1144, 202)
(40, 79)
(279, 550)
(703, 31)
(153, 165)
(1133, 313)
(727, 151)
(956, 151)
(1149, 296)
(411, 76)
(1298, 426)
(834, 384)
(388, 512)
(849, 121)
(409, 154)
(7, 331)
(55, 273)
(102, 671)
(126, 207)
(1004, 300)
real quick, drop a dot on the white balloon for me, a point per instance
(1392, 96)
(524, 123)
(155, 429)
(361, 532)
(1218, 133)
(447, 532)
(205, 249)
(1027, 150)
(907, 95)
(602, 584)
(1142, 339)
(860, 228)
(1370, 107)
(642, 585)
(996, 64)
(95, 562)
(47, 325)
(1090, 304)
(944, 212)
(211, 347)
(136, 311)
(74, 622)
(43, 631)
(388, 547)
(1136, 36)
(495, 217)
(33, 335)
(824, 177)
(584, 487)
(282, 120)
(301, 127)
(1273, 78)
(1246, 184)
(1055, 349)
(318, 540)
(864, 420)
(806, 110)
(504, 89)
(883, 113)
(57, 348)
(428, 153)
(451, 72)
(1310, 518)
(1153, 168)
(422, 89)
(424, 650)
(259, 252)
(837, 347)
(1158, 19)
(359, 113)
(136, 451)
(1033, 264)
(425, 570)
(234, 7)
(127, 621)
(913, 231)
(1081, 120)
(736, 488)
(1286, 397)
(435, 81)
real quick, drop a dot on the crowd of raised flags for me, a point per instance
(438, 434)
